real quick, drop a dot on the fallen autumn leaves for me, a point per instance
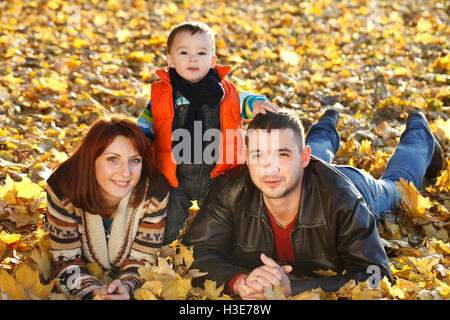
(62, 65)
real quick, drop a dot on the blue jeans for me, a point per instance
(409, 161)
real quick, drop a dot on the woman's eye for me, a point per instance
(136, 160)
(112, 159)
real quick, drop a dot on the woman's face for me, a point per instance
(118, 170)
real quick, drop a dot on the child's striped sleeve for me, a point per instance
(145, 121)
(246, 100)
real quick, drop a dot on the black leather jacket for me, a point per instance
(334, 230)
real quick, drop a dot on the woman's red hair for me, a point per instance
(76, 178)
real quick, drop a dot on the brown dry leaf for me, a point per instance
(437, 233)
(346, 290)
(2, 249)
(22, 216)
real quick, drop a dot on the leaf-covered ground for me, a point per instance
(65, 63)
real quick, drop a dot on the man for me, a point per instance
(288, 212)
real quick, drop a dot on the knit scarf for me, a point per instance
(207, 91)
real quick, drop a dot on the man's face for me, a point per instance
(275, 162)
(191, 55)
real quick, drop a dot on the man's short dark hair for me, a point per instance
(193, 27)
(278, 120)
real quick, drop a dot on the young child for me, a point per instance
(193, 98)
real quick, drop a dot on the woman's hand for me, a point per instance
(115, 291)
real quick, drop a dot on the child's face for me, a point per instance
(191, 55)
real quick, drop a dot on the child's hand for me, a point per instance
(262, 106)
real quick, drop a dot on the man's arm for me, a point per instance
(360, 248)
(212, 235)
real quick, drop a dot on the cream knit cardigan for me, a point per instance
(78, 237)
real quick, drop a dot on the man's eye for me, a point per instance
(284, 154)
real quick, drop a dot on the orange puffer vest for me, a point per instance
(231, 152)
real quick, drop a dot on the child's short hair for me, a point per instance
(193, 27)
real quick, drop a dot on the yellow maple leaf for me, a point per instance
(365, 147)
(440, 246)
(211, 291)
(403, 289)
(306, 295)
(424, 38)
(59, 156)
(27, 190)
(442, 62)
(95, 270)
(42, 257)
(143, 294)
(289, 57)
(155, 286)
(188, 255)
(7, 191)
(10, 238)
(176, 288)
(412, 200)
(325, 273)
(32, 284)
(10, 288)
(79, 43)
(122, 35)
(401, 71)
(423, 25)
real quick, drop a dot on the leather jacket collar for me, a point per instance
(310, 215)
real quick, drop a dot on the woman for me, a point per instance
(106, 204)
